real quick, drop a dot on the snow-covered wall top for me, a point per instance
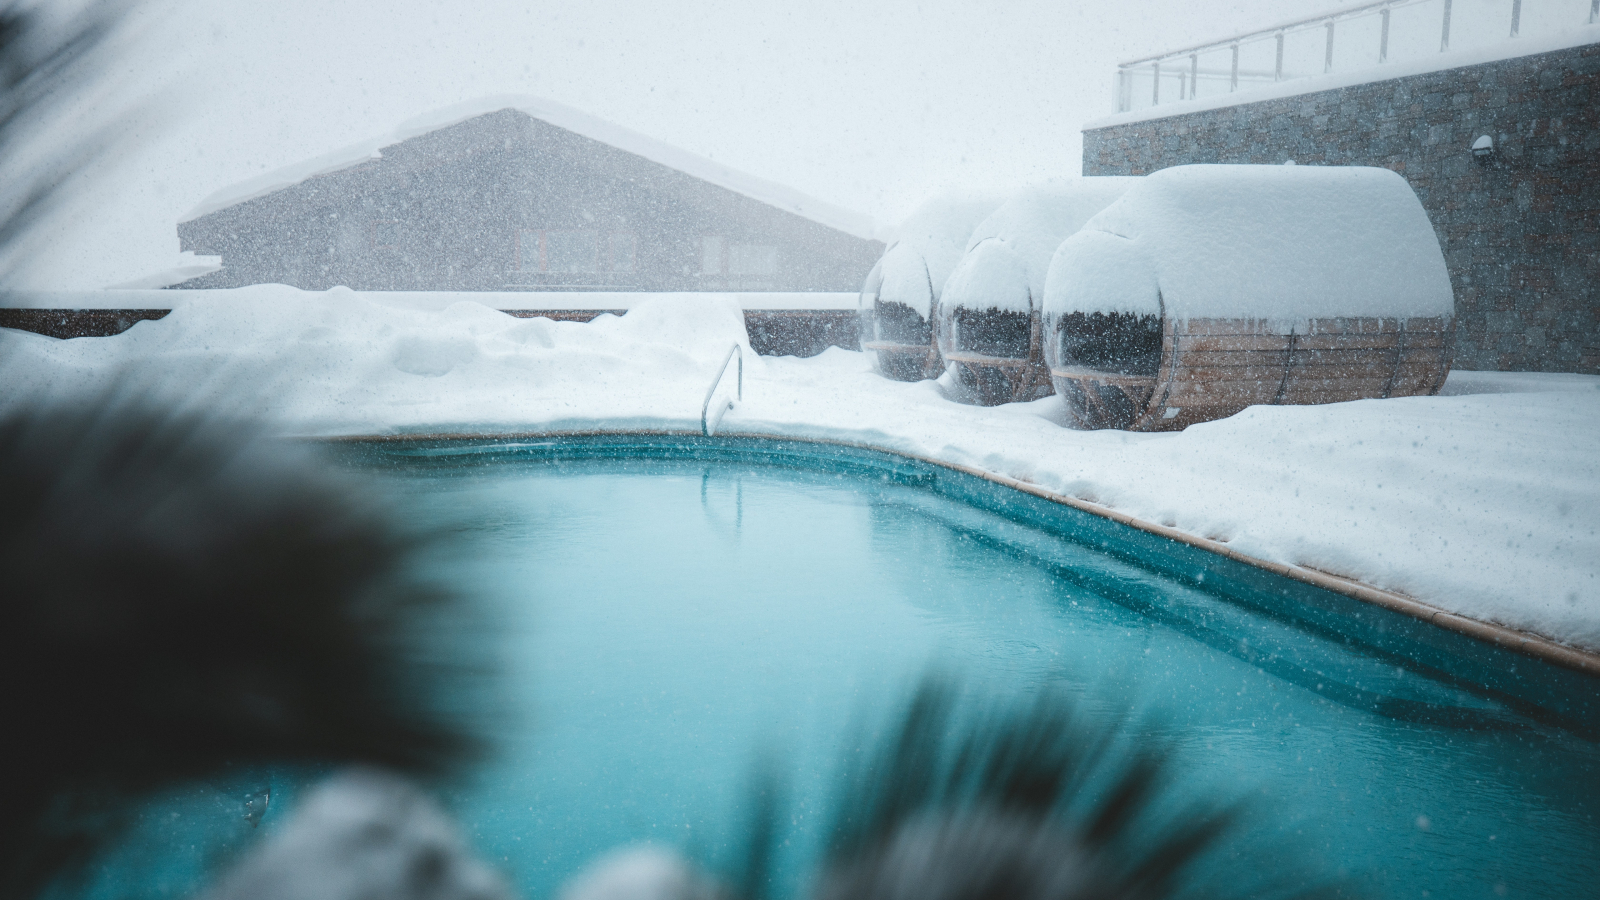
(1576, 36)
(561, 116)
(192, 267)
(1008, 254)
(434, 300)
(1281, 243)
(931, 240)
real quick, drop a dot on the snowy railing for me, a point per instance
(1343, 40)
(708, 424)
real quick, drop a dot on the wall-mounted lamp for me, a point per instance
(1483, 149)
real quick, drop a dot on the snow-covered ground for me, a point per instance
(1484, 501)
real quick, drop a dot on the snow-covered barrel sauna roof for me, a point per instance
(1274, 243)
(561, 116)
(931, 240)
(1008, 254)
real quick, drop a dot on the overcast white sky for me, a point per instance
(870, 105)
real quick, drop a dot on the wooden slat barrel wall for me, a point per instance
(906, 362)
(994, 380)
(1016, 377)
(1213, 368)
(903, 341)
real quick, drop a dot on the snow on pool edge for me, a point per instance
(1484, 501)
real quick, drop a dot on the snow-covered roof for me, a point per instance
(1097, 271)
(932, 239)
(1022, 235)
(992, 276)
(1279, 243)
(192, 267)
(561, 116)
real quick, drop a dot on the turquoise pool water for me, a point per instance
(666, 612)
(666, 620)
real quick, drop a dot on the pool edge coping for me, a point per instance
(1526, 643)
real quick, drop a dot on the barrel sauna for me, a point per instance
(987, 322)
(1208, 289)
(900, 293)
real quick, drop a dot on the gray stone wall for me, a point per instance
(1520, 234)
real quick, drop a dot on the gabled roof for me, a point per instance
(561, 116)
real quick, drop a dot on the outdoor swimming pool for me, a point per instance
(668, 610)
(667, 618)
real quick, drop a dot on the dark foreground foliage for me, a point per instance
(44, 61)
(979, 799)
(182, 594)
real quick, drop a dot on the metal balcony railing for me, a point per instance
(1344, 40)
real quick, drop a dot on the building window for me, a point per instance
(624, 252)
(752, 259)
(572, 251)
(530, 254)
(713, 255)
(385, 232)
(577, 251)
(719, 257)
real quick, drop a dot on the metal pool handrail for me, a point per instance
(705, 408)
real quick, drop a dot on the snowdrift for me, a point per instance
(335, 361)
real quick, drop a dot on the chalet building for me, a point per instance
(524, 194)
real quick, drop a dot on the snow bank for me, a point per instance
(561, 116)
(339, 361)
(930, 243)
(362, 833)
(1485, 502)
(1462, 383)
(1008, 254)
(1278, 243)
